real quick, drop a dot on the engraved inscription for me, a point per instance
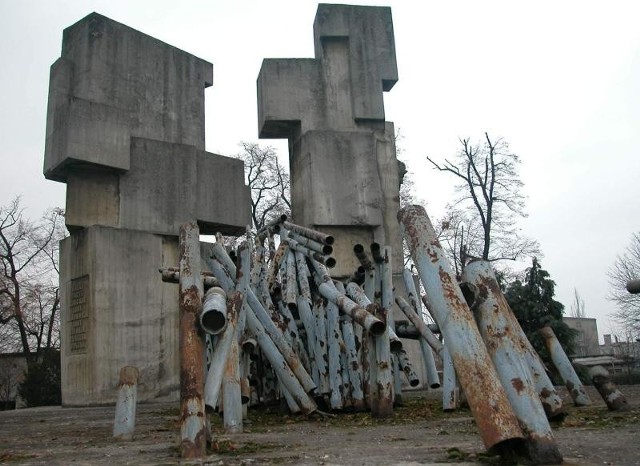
(79, 314)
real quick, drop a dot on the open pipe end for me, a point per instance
(330, 262)
(414, 382)
(377, 328)
(327, 250)
(435, 385)
(358, 249)
(396, 346)
(213, 322)
(329, 240)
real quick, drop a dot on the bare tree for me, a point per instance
(577, 306)
(626, 267)
(269, 183)
(489, 194)
(29, 299)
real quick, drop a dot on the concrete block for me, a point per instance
(110, 320)
(335, 179)
(166, 185)
(113, 82)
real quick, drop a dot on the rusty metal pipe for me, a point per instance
(313, 245)
(358, 295)
(419, 324)
(333, 349)
(268, 325)
(322, 357)
(376, 253)
(279, 364)
(360, 315)
(565, 369)
(407, 368)
(213, 385)
(353, 363)
(125, 420)
(433, 379)
(290, 291)
(192, 430)
(633, 286)
(213, 318)
(613, 398)
(489, 404)
(450, 390)
(309, 233)
(172, 275)
(384, 377)
(362, 256)
(313, 255)
(502, 335)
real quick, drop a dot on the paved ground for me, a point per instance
(419, 433)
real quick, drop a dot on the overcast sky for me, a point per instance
(559, 80)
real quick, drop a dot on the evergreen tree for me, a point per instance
(533, 305)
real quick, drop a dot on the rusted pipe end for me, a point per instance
(377, 328)
(395, 346)
(129, 375)
(633, 286)
(547, 333)
(376, 253)
(542, 450)
(213, 322)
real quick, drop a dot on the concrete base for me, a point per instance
(115, 312)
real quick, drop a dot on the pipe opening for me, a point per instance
(213, 322)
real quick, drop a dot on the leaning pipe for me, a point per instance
(489, 404)
(565, 369)
(502, 335)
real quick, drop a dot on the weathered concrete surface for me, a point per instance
(113, 82)
(345, 177)
(125, 131)
(344, 172)
(588, 437)
(117, 312)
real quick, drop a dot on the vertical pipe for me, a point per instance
(489, 404)
(193, 432)
(125, 420)
(613, 398)
(433, 379)
(450, 390)
(384, 377)
(565, 369)
(232, 396)
(321, 335)
(308, 320)
(386, 300)
(333, 348)
(501, 335)
(551, 401)
(353, 364)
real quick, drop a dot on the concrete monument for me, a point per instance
(345, 176)
(125, 132)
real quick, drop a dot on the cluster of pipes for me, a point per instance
(316, 341)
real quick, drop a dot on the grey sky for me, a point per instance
(559, 80)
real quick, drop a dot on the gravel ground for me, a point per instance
(419, 433)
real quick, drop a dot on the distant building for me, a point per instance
(628, 352)
(586, 341)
